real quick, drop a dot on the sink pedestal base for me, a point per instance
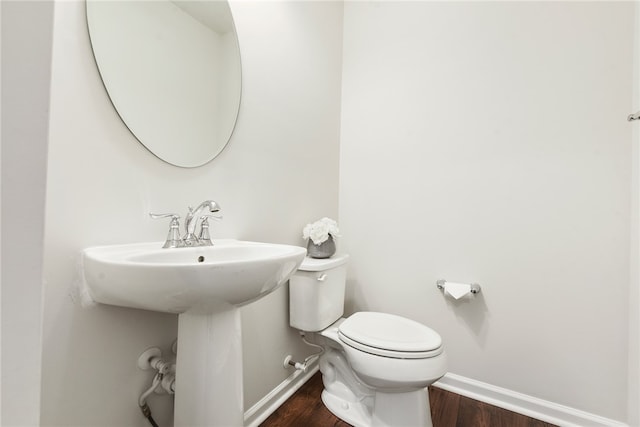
(208, 388)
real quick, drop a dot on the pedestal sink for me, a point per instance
(204, 286)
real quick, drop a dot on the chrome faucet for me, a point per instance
(209, 207)
(203, 212)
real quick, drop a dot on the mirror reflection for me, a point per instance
(172, 71)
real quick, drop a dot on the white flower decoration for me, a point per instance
(320, 230)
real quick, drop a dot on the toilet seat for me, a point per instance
(387, 335)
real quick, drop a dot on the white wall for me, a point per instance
(487, 142)
(279, 172)
(634, 289)
(530, 111)
(26, 58)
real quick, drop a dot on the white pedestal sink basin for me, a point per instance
(176, 280)
(204, 286)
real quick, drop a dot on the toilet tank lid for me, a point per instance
(322, 264)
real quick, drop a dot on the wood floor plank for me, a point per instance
(444, 406)
(474, 413)
(305, 409)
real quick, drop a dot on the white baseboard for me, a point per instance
(259, 412)
(560, 415)
(533, 407)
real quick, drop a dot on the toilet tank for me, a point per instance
(316, 293)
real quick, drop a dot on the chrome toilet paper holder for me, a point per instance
(475, 288)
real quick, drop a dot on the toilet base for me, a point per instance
(389, 410)
(402, 409)
(355, 413)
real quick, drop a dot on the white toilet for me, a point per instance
(375, 366)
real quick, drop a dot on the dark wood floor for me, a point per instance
(448, 409)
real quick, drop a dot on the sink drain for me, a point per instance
(200, 258)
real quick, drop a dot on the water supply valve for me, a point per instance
(152, 359)
(288, 361)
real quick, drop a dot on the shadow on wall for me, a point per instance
(350, 298)
(472, 310)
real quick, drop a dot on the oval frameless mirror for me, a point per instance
(172, 71)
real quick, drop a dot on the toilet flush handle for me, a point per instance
(322, 277)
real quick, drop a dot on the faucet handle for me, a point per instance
(165, 215)
(173, 238)
(204, 237)
(207, 216)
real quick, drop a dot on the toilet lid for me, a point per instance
(389, 335)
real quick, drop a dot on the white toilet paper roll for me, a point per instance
(457, 290)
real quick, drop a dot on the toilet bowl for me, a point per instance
(375, 366)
